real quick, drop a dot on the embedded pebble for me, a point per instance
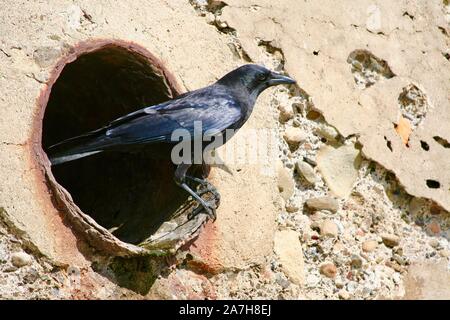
(400, 260)
(294, 136)
(339, 168)
(434, 243)
(434, 228)
(312, 280)
(288, 248)
(45, 56)
(281, 280)
(286, 112)
(21, 259)
(390, 240)
(307, 172)
(369, 246)
(444, 253)
(291, 208)
(343, 294)
(328, 269)
(323, 203)
(351, 286)
(356, 262)
(285, 182)
(210, 18)
(339, 283)
(327, 131)
(329, 229)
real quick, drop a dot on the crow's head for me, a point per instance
(254, 78)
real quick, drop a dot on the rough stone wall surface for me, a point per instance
(364, 180)
(317, 45)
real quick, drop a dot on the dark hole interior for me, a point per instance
(388, 144)
(131, 194)
(443, 142)
(425, 146)
(433, 184)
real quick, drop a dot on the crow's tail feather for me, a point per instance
(76, 148)
(61, 159)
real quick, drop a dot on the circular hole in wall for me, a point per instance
(129, 194)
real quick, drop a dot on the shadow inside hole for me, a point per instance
(433, 184)
(425, 146)
(443, 142)
(131, 194)
(388, 143)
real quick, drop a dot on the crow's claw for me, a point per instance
(211, 189)
(205, 187)
(210, 209)
(204, 205)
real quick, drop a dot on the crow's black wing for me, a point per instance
(157, 123)
(213, 108)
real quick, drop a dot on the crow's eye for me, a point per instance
(262, 77)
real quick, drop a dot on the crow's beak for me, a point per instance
(277, 78)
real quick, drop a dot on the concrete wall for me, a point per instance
(362, 140)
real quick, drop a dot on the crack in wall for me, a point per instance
(23, 144)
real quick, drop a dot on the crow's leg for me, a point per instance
(180, 179)
(206, 185)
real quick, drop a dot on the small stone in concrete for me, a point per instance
(31, 276)
(291, 208)
(323, 203)
(435, 209)
(286, 112)
(326, 131)
(356, 262)
(328, 270)
(20, 259)
(339, 168)
(285, 182)
(329, 229)
(294, 136)
(369, 246)
(434, 227)
(10, 269)
(444, 253)
(390, 240)
(318, 216)
(312, 281)
(394, 265)
(400, 260)
(417, 205)
(434, 243)
(339, 283)
(281, 280)
(45, 56)
(343, 294)
(307, 172)
(313, 115)
(289, 250)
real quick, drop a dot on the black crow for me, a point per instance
(226, 104)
